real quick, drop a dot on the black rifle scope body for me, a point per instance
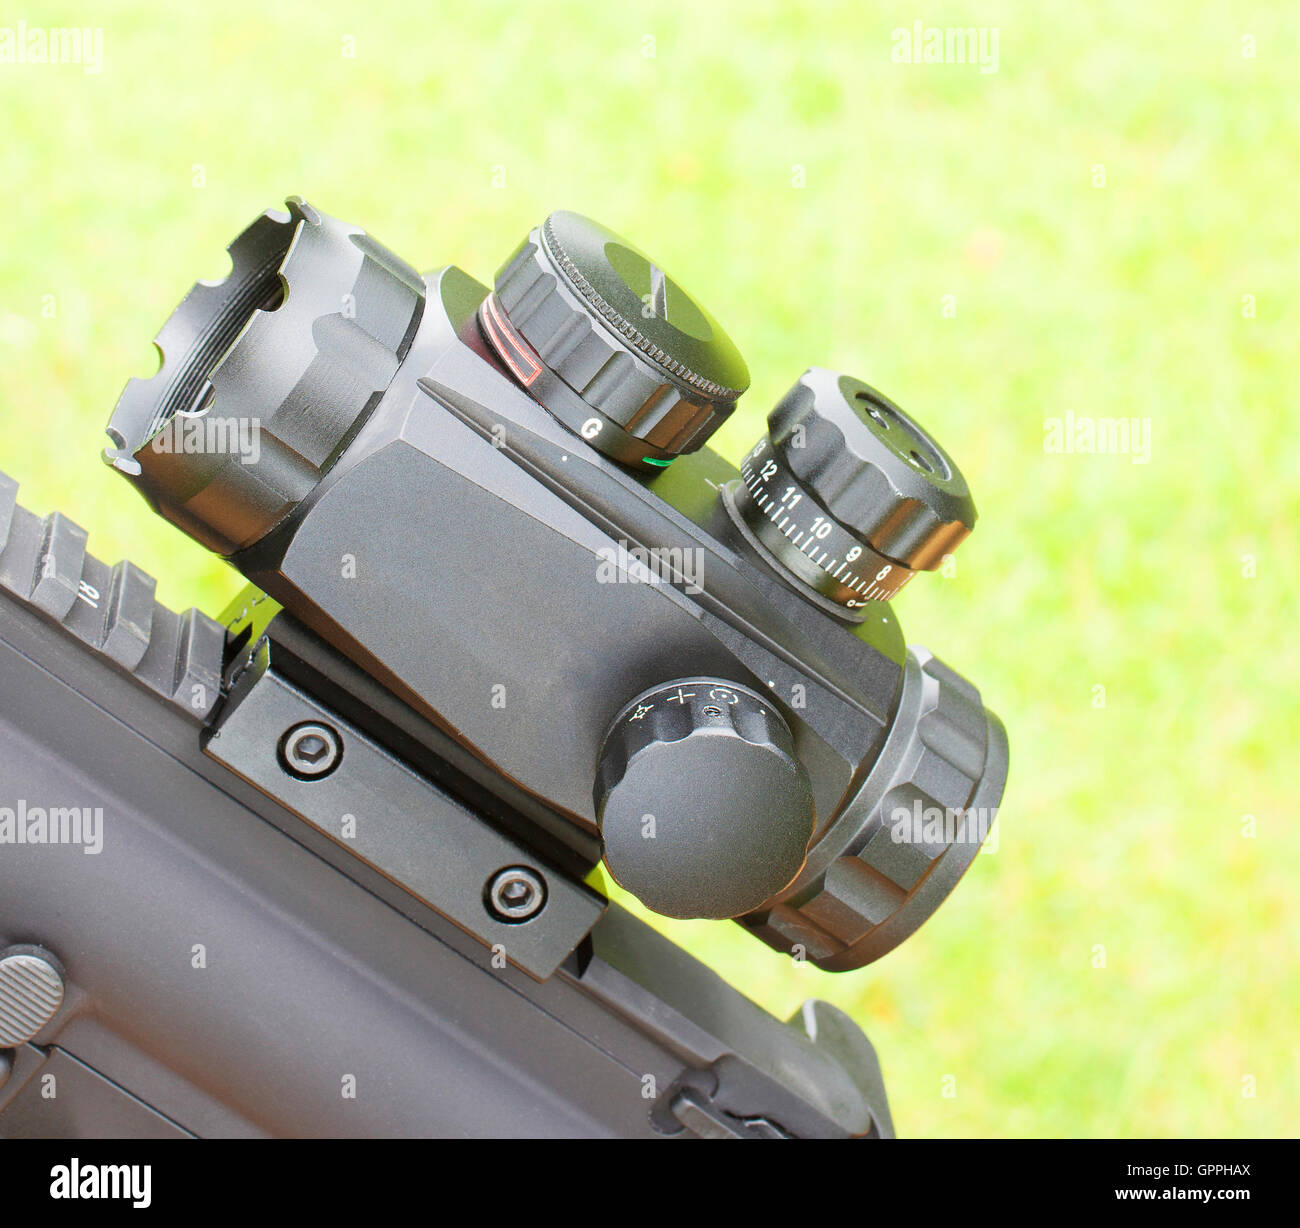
(498, 503)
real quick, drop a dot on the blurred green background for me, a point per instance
(1106, 225)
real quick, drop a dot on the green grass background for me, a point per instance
(455, 128)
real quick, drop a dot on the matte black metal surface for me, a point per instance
(226, 975)
(397, 822)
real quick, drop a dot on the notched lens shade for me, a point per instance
(266, 376)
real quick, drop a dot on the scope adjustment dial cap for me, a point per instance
(704, 809)
(611, 344)
(873, 468)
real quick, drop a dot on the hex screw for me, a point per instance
(310, 751)
(515, 894)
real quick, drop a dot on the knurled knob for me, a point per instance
(704, 809)
(611, 344)
(31, 992)
(875, 469)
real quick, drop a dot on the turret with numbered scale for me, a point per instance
(848, 494)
